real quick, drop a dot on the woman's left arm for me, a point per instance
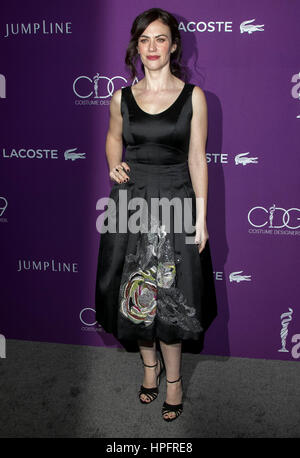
(198, 164)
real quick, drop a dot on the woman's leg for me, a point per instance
(148, 352)
(172, 359)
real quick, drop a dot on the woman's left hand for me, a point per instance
(201, 236)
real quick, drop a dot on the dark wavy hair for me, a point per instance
(140, 23)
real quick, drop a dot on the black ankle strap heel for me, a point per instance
(147, 365)
(151, 393)
(176, 408)
(173, 381)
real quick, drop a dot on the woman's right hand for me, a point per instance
(118, 174)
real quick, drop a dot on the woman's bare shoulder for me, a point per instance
(198, 98)
(115, 102)
(198, 93)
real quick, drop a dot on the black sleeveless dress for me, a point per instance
(151, 283)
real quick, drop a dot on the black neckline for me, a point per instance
(162, 112)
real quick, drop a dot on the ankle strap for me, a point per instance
(173, 381)
(147, 365)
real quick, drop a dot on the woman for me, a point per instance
(152, 284)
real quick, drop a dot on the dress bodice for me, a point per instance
(161, 138)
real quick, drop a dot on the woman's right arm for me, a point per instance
(114, 143)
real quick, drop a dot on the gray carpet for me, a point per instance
(57, 390)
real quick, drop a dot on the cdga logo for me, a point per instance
(87, 318)
(286, 318)
(97, 87)
(3, 205)
(274, 217)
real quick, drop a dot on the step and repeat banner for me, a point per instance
(61, 61)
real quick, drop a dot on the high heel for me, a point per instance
(176, 408)
(151, 393)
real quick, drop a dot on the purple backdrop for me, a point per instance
(60, 64)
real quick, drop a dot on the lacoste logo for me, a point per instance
(250, 28)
